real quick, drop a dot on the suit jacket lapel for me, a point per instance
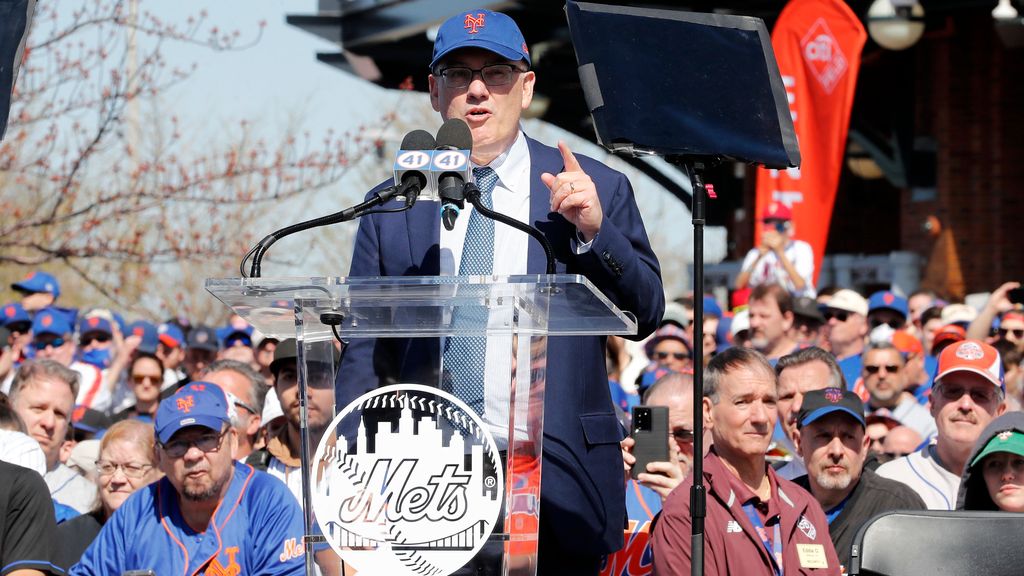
(423, 221)
(543, 159)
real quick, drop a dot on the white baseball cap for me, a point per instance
(849, 301)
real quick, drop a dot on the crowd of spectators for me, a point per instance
(99, 414)
(881, 402)
(859, 404)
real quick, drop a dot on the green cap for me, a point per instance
(1010, 441)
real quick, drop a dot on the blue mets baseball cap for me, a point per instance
(171, 335)
(12, 313)
(38, 281)
(95, 324)
(50, 321)
(484, 29)
(819, 403)
(195, 404)
(886, 300)
(148, 332)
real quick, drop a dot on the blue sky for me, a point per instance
(277, 81)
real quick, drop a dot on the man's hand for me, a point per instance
(772, 240)
(662, 477)
(574, 195)
(627, 453)
(999, 301)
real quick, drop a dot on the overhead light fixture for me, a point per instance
(896, 24)
(1004, 11)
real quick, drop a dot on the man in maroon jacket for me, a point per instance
(757, 523)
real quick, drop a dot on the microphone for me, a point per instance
(451, 160)
(412, 164)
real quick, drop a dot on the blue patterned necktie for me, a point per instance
(465, 357)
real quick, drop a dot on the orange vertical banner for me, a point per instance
(817, 45)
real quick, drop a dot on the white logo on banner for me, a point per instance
(823, 56)
(419, 489)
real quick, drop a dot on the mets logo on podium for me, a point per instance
(408, 480)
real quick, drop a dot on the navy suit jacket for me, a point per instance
(582, 490)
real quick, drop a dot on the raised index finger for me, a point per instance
(570, 161)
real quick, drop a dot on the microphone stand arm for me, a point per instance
(472, 195)
(258, 251)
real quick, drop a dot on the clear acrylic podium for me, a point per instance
(516, 314)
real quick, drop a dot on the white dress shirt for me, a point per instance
(511, 197)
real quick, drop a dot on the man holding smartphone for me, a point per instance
(779, 259)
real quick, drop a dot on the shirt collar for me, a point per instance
(510, 164)
(745, 495)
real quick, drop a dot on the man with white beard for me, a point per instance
(831, 439)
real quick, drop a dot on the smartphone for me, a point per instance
(650, 435)
(1016, 296)
(138, 573)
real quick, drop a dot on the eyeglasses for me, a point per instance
(873, 369)
(978, 395)
(44, 344)
(676, 355)
(101, 338)
(249, 408)
(206, 443)
(131, 469)
(1017, 333)
(893, 323)
(143, 378)
(682, 435)
(492, 75)
(840, 315)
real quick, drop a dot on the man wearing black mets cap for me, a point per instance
(480, 74)
(830, 437)
(208, 514)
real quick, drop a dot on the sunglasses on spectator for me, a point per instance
(683, 435)
(20, 327)
(676, 355)
(131, 469)
(894, 323)
(247, 407)
(1017, 332)
(90, 338)
(206, 443)
(43, 344)
(143, 378)
(873, 369)
(840, 315)
(231, 342)
(978, 395)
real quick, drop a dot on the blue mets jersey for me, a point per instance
(256, 530)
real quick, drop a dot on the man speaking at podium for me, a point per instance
(481, 74)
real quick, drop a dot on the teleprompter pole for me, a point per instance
(698, 493)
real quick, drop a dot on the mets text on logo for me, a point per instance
(472, 24)
(292, 549)
(419, 488)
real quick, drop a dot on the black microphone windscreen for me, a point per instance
(418, 140)
(455, 134)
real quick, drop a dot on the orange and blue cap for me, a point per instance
(484, 29)
(196, 404)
